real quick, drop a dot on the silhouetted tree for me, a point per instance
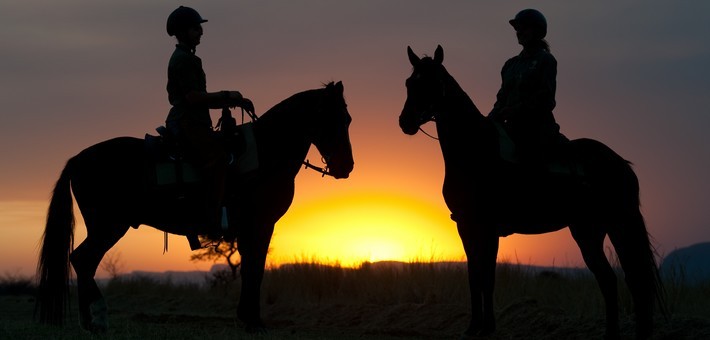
(226, 250)
(112, 264)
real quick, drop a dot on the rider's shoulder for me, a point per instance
(545, 54)
(547, 57)
(511, 61)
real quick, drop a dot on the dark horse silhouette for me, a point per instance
(491, 197)
(109, 179)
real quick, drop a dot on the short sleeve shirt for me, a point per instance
(185, 74)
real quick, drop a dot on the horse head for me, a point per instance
(331, 131)
(425, 90)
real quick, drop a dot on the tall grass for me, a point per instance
(378, 283)
(379, 300)
(684, 297)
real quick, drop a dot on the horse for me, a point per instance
(114, 192)
(490, 196)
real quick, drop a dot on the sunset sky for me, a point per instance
(632, 74)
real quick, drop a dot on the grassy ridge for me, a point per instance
(310, 300)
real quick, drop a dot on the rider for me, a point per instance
(189, 118)
(527, 94)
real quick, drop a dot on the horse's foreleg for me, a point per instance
(253, 252)
(252, 272)
(481, 247)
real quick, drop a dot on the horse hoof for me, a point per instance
(471, 336)
(477, 333)
(98, 329)
(258, 329)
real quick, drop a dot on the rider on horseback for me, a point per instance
(189, 118)
(527, 94)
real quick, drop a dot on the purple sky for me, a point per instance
(631, 74)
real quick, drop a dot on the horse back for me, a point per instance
(114, 158)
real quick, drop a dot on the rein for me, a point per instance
(426, 133)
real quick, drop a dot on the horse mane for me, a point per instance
(285, 104)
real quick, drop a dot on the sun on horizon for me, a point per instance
(365, 227)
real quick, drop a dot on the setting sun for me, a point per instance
(368, 226)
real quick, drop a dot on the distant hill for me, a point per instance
(690, 264)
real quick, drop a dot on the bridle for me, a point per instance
(324, 158)
(430, 112)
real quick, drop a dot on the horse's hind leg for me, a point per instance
(591, 243)
(636, 257)
(86, 259)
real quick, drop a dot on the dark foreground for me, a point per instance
(320, 302)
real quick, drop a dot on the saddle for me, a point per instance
(562, 163)
(177, 179)
(172, 168)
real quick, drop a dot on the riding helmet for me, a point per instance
(532, 18)
(181, 19)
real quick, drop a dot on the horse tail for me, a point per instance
(637, 254)
(57, 243)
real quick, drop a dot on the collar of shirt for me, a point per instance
(186, 48)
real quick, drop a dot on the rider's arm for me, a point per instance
(500, 111)
(541, 97)
(215, 100)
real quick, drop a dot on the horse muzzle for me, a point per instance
(408, 125)
(340, 168)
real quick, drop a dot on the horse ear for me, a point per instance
(412, 57)
(339, 86)
(439, 54)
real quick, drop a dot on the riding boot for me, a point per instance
(217, 211)
(208, 153)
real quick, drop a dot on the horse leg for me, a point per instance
(591, 244)
(481, 247)
(86, 259)
(253, 250)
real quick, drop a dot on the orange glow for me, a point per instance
(347, 229)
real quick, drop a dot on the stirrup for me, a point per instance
(224, 220)
(194, 241)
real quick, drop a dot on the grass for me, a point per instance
(310, 300)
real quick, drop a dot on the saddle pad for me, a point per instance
(505, 144)
(249, 159)
(167, 173)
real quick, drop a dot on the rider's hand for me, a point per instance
(247, 105)
(234, 98)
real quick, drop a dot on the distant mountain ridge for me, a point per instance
(690, 264)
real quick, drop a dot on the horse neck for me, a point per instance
(282, 132)
(464, 133)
